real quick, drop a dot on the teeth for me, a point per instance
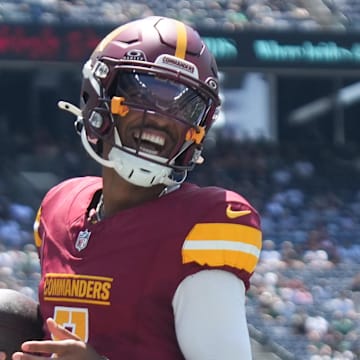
(148, 151)
(154, 139)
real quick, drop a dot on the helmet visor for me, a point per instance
(154, 93)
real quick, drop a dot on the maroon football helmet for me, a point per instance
(154, 65)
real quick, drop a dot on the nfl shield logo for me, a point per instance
(82, 240)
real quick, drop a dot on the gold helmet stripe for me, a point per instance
(110, 37)
(181, 41)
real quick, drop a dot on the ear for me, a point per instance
(2, 355)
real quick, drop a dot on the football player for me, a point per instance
(139, 264)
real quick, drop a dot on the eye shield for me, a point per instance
(155, 93)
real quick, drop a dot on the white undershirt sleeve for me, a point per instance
(210, 318)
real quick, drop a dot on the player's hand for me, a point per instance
(68, 346)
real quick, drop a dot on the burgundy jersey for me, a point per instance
(112, 282)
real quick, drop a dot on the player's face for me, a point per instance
(150, 133)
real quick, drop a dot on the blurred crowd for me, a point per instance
(305, 296)
(225, 14)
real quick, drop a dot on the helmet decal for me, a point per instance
(135, 55)
(173, 62)
(101, 70)
(213, 83)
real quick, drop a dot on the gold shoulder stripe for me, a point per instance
(37, 238)
(181, 42)
(219, 244)
(226, 231)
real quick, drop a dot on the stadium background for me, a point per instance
(287, 138)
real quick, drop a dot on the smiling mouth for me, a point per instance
(149, 142)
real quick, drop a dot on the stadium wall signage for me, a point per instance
(248, 49)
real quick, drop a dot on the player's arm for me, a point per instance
(210, 319)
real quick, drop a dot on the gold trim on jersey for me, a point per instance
(37, 238)
(220, 244)
(87, 289)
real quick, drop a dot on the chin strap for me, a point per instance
(64, 105)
